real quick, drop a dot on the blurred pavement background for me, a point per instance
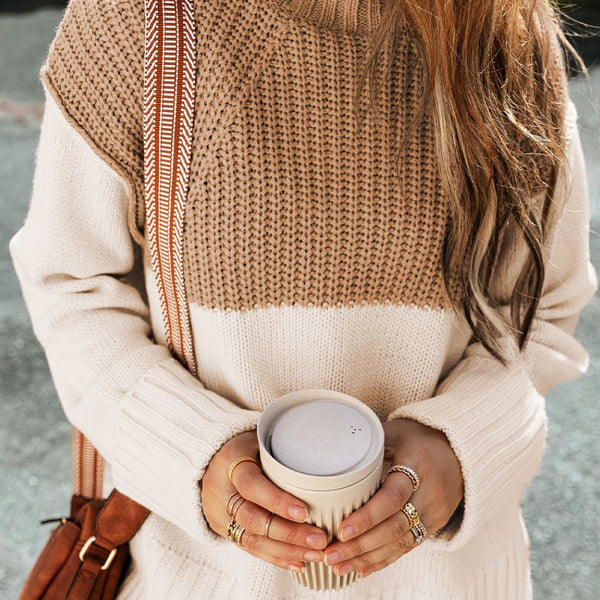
(561, 506)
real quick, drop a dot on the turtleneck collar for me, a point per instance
(348, 16)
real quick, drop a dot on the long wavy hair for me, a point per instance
(494, 89)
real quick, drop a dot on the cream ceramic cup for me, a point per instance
(326, 448)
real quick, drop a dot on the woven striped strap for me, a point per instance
(169, 94)
(88, 467)
(168, 120)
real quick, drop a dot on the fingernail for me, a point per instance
(296, 568)
(333, 557)
(316, 540)
(347, 533)
(298, 513)
(313, 556)
(344, 569)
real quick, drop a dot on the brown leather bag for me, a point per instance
(86, 555)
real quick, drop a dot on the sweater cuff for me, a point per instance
(496, 423)
(168, 428)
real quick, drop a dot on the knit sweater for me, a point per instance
(304, 266)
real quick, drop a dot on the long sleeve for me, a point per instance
(155, 423)
(494, 416)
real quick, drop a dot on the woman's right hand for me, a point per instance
(290, 542)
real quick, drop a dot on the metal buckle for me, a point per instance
(107, 562)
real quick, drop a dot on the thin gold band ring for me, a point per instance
(236, 463)
(268, 524)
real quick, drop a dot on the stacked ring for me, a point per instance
(235, 532)
(235, 497)
(236, 506)
(419, 532)
(410, 473)
(231, 496)
(411, 514)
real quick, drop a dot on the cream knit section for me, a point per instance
(374, 353)
(168, 428)
(95, 330)
(167, 565)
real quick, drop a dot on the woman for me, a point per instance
(422, 248)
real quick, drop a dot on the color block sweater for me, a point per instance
(305, 267)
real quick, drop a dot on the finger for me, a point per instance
(378, 565)
(261, 546)
(388, 500)
(253, 485)
(269, 549)
(373, 560)
(384, 554)
(387, 532)
(253, 518)
(284, 555)
(278, 561)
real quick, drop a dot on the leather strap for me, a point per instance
(85, 580)
(119, 520)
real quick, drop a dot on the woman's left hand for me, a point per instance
(379, 533)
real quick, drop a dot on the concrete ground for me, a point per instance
(561, 506)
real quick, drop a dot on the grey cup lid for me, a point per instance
(321, 438)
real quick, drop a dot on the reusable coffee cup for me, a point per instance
(325, 448)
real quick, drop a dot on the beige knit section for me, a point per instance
(95, 72)
(293, 198)
(296, 200)
(347, 16)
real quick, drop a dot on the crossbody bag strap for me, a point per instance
(87, 467)
(169, 96)
(170, 85)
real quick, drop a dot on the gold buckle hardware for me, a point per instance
(107, 562)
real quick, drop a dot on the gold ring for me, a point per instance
(268, 524)
(236, 506)
(238, 532)
(229, 499)
(230, 527)
(410, 473)
(228, 504)
(419, 532)
(237, 462)
(411, 513)
(235, 532)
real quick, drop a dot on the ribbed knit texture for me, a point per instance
(307, 265)
(95, 67)
(297, 202)
(293, 197)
